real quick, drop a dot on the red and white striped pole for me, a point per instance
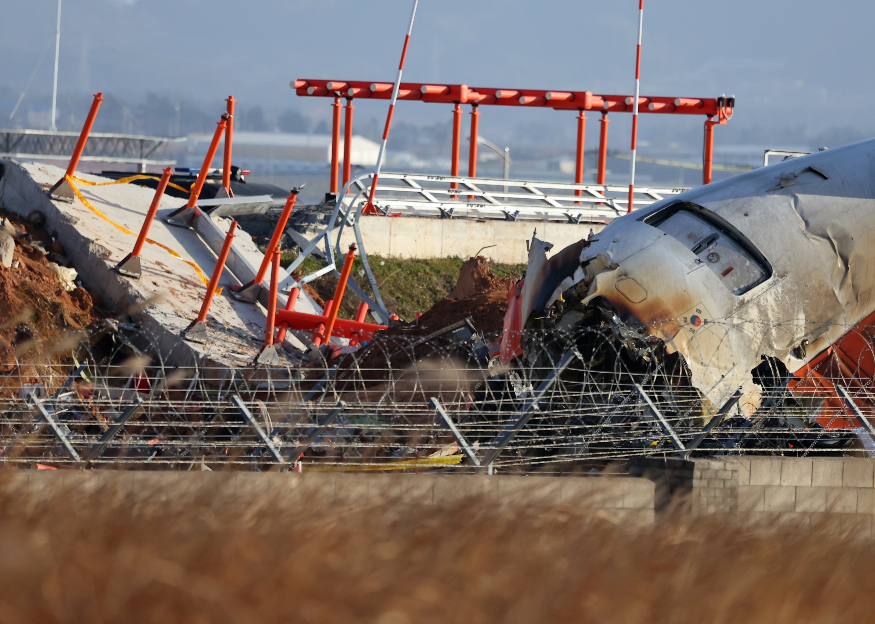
(635, 102)
(369, 209)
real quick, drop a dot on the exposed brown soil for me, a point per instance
(33, 303)
(479, 294)
(483, 298)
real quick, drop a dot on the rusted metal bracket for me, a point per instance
(457, 435)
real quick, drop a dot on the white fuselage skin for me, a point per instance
(811, 218)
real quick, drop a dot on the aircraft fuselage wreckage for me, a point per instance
(762, 283)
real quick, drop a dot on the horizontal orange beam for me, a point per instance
(343, 328)
(557, 100)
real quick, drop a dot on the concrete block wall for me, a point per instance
(420, 237)
(800, 490)
(699, 486)
(715, 487)
(618, 499)
(805, 490)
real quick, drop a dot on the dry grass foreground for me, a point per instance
(195, 558)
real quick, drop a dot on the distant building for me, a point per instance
(278, 153)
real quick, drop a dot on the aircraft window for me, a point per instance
(738, 269)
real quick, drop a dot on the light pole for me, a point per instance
(53, 128)
(502, 153)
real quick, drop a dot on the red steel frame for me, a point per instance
(335, 143)
(457, 142)
(579, 101)
(153, 210)
(83, 136)
(347, 142)
(208, 160)
(229, 139)
(581, 137)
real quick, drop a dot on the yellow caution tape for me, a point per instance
(173, 253)
(449, 460)
(130, 179)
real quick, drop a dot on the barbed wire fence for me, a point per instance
(104, 398)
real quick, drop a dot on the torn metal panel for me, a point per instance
(729, 273)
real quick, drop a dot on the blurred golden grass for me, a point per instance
(97, 558)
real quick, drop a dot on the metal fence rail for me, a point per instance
(101, 147)
(389, 406)
(488, 198)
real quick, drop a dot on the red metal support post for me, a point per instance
(457, 141)
(250, 292)
(197, 331)
(347, 142)
(338, 294)
(229, 139)
(472, 149)
(360, 316)
(268, 352)
(290, 306)
(66, 194)
(603, 148)
(208, 161)
(581, 136)
(271, 303)
(319, 333)
(335, 144)
(83, 136)
(709, 150)
(130, 266)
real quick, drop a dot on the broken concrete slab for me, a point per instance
(168, 296)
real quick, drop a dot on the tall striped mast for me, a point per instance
(53, 128)
(369, 209)
(635, 102)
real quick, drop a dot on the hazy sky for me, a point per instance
(790, 63)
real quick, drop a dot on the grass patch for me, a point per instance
(407, 286)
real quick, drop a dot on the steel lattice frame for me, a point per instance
(35, 144)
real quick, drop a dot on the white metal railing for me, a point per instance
(491, 198)
(433, 196)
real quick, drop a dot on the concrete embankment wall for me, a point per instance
(620, 499)
(800, 490)
(420, 238)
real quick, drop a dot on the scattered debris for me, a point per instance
(66, 275)
(7, 248)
